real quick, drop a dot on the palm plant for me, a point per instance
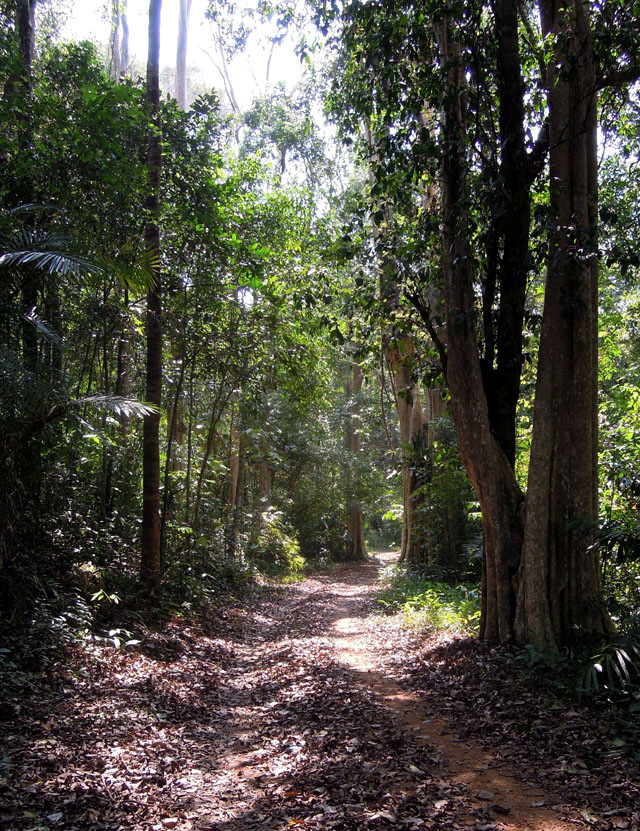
(32, 395)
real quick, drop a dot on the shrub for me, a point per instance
(428, 603)
(276, 551)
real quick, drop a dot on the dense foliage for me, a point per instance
(288, 268)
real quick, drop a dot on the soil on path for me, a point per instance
(367, 752)
(300, 709)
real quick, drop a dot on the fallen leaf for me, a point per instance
(384, 815)
(486, 796)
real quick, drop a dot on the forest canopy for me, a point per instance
(393, 304)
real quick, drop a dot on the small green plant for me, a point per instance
(613, 670)
(276, 550)
(429, 603)
(119, 637)
(101, 595)
(613, 675)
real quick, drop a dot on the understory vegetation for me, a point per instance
(240, 342)
(428, 603)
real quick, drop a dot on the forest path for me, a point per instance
(298, 707)
(328, 739)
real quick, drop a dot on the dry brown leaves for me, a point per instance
(253, 723)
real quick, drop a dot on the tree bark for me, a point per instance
(187, 499)
(119, 45)
(175, 428)
(181, 54)
(560, 596)
(124, 43)
(485, 460)
(237, 467)
(502, 371)
(115, 68)
(211, 437)
(355, 547)
(398, 348)
(413, 548)
(151, 556)
(26, 37)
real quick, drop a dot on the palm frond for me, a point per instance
(118, 405)
(31, 208)
(52, 251)
(137, 270)
(43, 329)
(53, 261)
(614, 668)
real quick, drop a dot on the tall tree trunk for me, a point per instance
(119, 45)
(115, 68)
(26, 37)
(175, 429)
(211, 437)
(30, 454)
(485, 460)
(355, 548)
(124, 43)
(122, 385)
(502, 361)
(181, 55)
(26, 10)
(236, 487)
(398, 350)
(560, 596)
(411, 421)
(261, 492)
(223, 395)
(151, 556)
(187, 498)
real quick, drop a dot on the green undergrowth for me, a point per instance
(426, 602)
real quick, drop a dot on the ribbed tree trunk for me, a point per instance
(119, 43)
(560, 596)
(151, 557)
(124, 42)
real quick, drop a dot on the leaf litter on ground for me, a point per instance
(250, 721)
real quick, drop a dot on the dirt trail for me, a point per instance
(299, 708)
(420, 775)
(516, 804)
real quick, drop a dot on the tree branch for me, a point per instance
(424, 312)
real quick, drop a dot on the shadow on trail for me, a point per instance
(256, 724)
